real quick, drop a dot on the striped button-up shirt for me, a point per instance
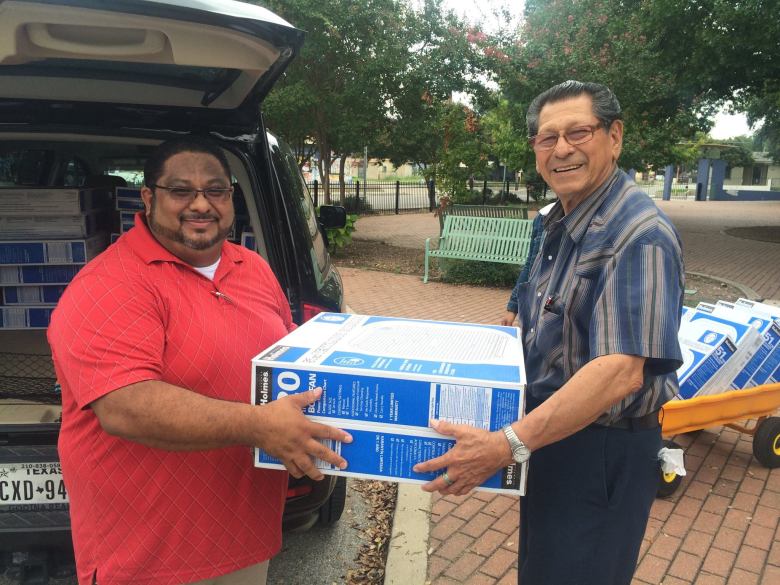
(608, 279)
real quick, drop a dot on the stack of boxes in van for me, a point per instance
(48, 234)
(728, 346)
(128, 203)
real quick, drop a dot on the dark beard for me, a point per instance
(178, 235)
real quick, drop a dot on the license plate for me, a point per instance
(31, 483)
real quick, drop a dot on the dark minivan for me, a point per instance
(87, 89)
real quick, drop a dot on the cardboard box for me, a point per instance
(767, 367)
(25, 317)
(769, 328)
(127, 192)
(774, 378)
(53, 226)
(738, 327)
(49, 201)
(124, 204)
(126, 221)
(702, 358)
(248, 240)
(52, 251)
(32, 295)
(128, 199)
(384, 378)
(53, 274)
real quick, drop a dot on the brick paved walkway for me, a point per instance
(721, 527)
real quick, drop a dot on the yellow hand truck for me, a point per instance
(727, 409)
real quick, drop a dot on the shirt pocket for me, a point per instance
(591, 265)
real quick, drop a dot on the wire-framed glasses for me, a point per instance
(574, 136)
(186, 194)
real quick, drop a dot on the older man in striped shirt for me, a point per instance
(600, 313)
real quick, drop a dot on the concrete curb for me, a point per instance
(749, 292)
(407, 557)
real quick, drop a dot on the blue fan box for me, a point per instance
(384, 379)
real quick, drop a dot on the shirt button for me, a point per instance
(538, 294)
(549, 257)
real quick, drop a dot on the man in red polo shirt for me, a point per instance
(152, 344)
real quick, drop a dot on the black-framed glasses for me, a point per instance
(574, 136)
(185, 194)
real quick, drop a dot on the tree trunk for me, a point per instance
(342, 186)
(325, 161)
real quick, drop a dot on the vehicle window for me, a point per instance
(75, 173)
(24, 167)
(293, 183)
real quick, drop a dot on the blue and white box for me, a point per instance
(744, 330)
(248, 240)
(128, 199)
(51, 274)
(25, 317)
(702, 358)
(32, 295)
(52, 251)
(48, 201)
(768, 326)
(765, 369)
(126, 221)
(385, 378)
(774, 377)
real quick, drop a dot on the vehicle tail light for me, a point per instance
(309, 311)
(298, 490)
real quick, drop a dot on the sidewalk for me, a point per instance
(721, 526)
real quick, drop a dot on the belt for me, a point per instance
(639, 423)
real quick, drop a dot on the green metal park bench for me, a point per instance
(513, 212)
(485, 239)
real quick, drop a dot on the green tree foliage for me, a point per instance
(444, 57)
(335, 93)
(606, 42)
(766, 109)
(724, 50)
(505, 129)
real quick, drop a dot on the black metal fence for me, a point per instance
(378, 197)
(397, 197)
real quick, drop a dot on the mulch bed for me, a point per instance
(761, 233)
(377, 255)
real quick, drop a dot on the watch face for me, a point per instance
(521, 454)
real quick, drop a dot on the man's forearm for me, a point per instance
(158, 414)
(586, 396)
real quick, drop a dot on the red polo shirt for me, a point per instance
(136, 312)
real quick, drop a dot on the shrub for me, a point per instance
(340, 237)
(354, 205)
(480, 273)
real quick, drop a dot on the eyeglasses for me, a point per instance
(184, 194)
(574, 136)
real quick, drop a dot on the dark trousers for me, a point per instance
(586, 508)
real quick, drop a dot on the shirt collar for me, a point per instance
(146, 246)
(577, 221)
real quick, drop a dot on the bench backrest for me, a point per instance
(487, 211)
(487, 236)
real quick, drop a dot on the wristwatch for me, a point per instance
(520, 453)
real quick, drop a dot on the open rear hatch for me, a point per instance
(185, 59)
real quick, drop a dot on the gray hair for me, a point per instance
(605, 105)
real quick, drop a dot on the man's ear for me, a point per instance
(146, 196)
(616, 138)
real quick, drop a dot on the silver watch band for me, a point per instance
(520, 453)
